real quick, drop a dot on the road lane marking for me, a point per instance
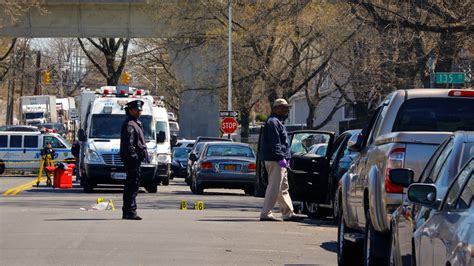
(17, 189)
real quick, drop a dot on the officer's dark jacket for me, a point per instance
(132, 142)
(275, 144)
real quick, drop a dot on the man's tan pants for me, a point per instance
(277, 190)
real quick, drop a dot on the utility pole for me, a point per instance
(38, 74)
(229, 74)
(11, 88)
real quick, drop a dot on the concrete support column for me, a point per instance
(200, 70)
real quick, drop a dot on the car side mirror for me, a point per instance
(160, 137)
(193, 157)
(402, 177)
(81, 135)
(355, 142)
(424, 194)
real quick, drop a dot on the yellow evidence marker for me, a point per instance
(184, 205)
(199, 205)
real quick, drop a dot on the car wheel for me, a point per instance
(347, 251)
(198, 188)
(88, 186)
(166, 181)
(249, 191)
(192, 186)
(314, 211)
(2, 168)
(374, 245)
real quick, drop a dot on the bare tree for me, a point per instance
(109, 49)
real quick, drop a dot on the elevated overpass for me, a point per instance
(88, 18)
(196, 68)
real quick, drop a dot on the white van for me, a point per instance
(163, 149)
(22, 150)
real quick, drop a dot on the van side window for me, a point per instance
(15, 141)
(55, 142)
(30, 142)
(3, 141)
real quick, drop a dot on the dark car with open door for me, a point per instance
(308, 175)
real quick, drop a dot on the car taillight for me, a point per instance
(206, 165)
(396, 159)
(252, 167)
(461, 93)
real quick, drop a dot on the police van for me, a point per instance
(22, 150)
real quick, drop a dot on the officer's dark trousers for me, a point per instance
(130, 190)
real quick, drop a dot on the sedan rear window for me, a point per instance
(435, 114)
(230, 151)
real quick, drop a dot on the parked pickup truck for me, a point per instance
(404, 132)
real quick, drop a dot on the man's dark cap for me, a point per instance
(137, 104)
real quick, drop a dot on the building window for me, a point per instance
(349, 112)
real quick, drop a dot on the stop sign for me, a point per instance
(229, 125)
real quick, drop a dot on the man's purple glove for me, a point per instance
(283, 163)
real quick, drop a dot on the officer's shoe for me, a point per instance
(131, 217)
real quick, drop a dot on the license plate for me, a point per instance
(118, 176)
(230, 167)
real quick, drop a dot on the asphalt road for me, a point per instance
(45, 226)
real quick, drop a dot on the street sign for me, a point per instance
(73, 114)
(449, 78)
(229, 125)
(228, 113)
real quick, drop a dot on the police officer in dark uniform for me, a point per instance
(133, 152)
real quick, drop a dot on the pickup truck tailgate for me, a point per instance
(419, 146)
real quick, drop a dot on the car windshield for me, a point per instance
(436, 114)
(108, 126)
(198, 147)
(68, 145)
(34, 115)
(48, 126)
(229, 151)
(59, 127)
(180, 153)
(174, 126)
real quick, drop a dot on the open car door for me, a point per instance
(308, 176)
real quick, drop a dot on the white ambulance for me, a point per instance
(102, 116)
(163, 149)
(22, 150)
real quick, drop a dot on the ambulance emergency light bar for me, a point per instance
(123, 91)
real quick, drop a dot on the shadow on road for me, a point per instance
(229, 220)
(316, 222)
(329, 246)
(80, 219)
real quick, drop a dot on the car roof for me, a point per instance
(467, 135)
(213, 139)
(226, 143)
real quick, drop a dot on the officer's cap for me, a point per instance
(137, 104)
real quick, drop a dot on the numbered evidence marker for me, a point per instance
(99, 200)
(199, 205)
(184, 205)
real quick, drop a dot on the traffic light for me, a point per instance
(46, 77)
(125, 79)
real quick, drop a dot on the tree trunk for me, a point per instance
(244, 125)
(447, 52)
(310, 118)
(38, 74)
